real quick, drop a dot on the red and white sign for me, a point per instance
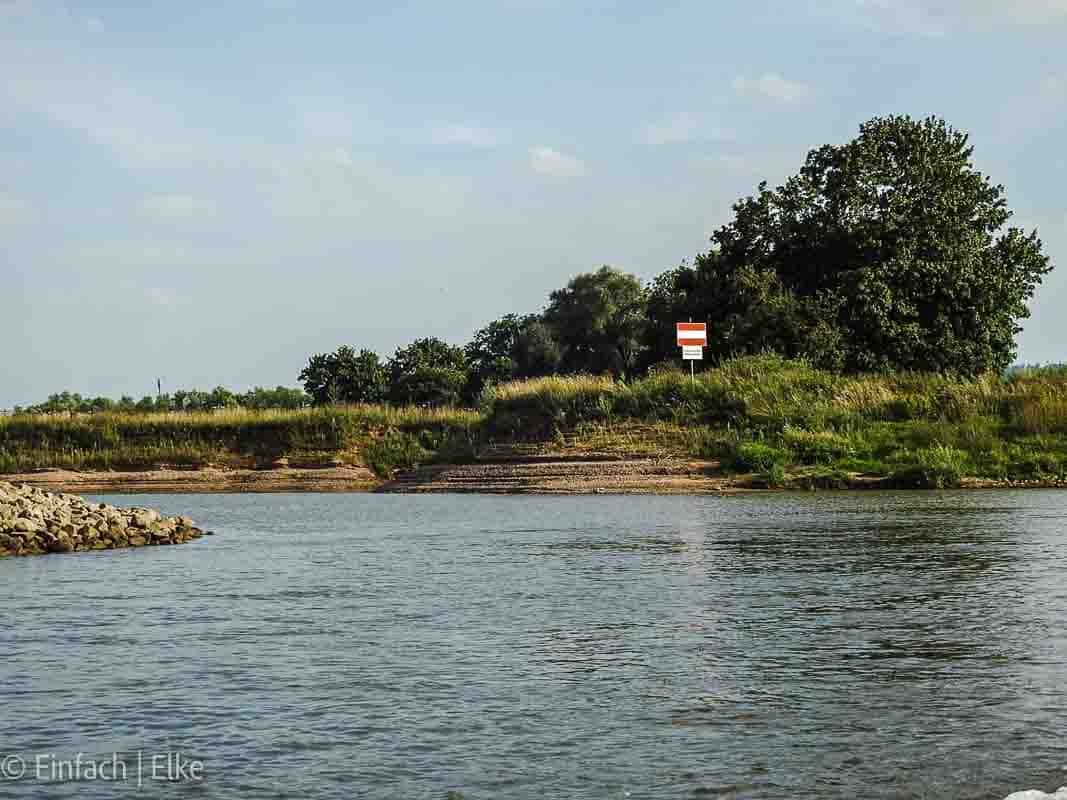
(692, 334)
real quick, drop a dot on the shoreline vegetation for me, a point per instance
(752, 422)
(863, 318)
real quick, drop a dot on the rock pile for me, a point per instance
(33, 521)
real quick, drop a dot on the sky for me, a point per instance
(209, 193)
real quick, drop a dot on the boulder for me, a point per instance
(34, 521)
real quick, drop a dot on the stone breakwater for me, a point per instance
(33, 522)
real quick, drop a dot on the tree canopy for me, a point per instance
(345, 377)
(887, 252)
(599, 319)
(428, 372)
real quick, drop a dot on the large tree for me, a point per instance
(489, 354)
(428, 372)
(345, 376)
(508, 348)
(599, 320)
(888, 252)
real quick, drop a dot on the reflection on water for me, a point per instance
(830, 645)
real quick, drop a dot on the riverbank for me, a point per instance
(586, 473)
(764, 422)
(202, 480)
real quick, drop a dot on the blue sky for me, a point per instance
(210, 193)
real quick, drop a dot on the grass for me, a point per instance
(765, 415)
(387, 436)
(780, 420)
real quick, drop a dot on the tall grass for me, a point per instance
(236, 437)
(886, 424)
(759, 413)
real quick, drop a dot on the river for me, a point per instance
(875, 645)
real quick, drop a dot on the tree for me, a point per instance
(888, 252)
(536, 350)
(509, 348)
(748, 311)
(345, 377)
(428, 372)
(599, 319)
(489, 355)
(279, 397)
(221, 397)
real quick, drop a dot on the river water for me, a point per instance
(907, 645)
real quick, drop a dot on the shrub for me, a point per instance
(938, 467)
(395, 450)
(758, 457)
(1036, 465)
(817, 447)
(774, 476)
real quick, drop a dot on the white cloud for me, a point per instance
(465, 135)
(546, 161)
(177, 207)
(774, 87)
(681, 127)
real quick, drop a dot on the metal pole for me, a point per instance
(692, 368)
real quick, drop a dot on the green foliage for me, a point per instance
(236, 437)
(395, 450)
(755, 411)
(489, 355)
(773, 476)
(345, 377)
(509, 348)
(535, 408)
(887, 252)
(599, 319)
(937, 467)
(817, 447)
(430, 386)
(261, 399)
(428, 372)
(536, 352)
(758, 457)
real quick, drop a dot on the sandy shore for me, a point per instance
(209, 479)
(586, 473)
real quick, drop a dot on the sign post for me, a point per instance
(692, 338)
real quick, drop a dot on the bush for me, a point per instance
(1036, 465)
(937, 467)
(395, 450)
(774, 476)
(758, 457)
(817, 447)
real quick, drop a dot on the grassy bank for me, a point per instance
(379, 437)
(782, 420)
(776, 418)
